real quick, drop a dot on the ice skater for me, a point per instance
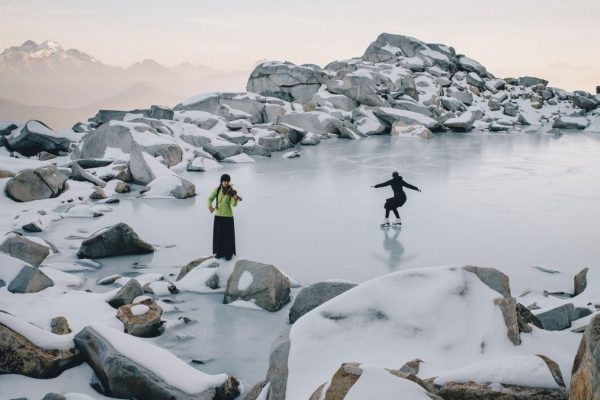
(393, 203)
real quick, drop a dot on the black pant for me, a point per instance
(223, 237)
(393, 203)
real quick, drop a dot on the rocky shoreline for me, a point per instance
(448, 332)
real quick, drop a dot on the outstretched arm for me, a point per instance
(408, 185)
(380, 185)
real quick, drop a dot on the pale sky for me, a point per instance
(510, 37)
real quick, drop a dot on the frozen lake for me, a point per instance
(513, 201)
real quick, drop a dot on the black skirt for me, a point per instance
(394, 202)
(223, 237)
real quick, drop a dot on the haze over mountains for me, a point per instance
(60, 86)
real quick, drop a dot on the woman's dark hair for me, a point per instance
(225, 178)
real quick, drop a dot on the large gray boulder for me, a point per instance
(28, 350)
(161, 112)
(221, 149)
(228, 105)
(585, 374)
(126, 136)
(80, 174)
(470, 390)
(529, 81)
(286, 81)
(111, 354)
(586, 103)
(571, 122)
(493, 278)
(462, 123)
(313, 296)
(30, 280)
(36, 184)
(25, 249)
(391, 115)
(361, 86)
(388, 47)
(104, 116)
(313, 121)
(469, 65)
(580, 282)
(261, 283)
(34, 137)
(117, 240)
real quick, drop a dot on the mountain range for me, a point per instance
(61, 86)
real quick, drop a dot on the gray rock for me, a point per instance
(510, 109)
(24, 249)
(580, 312)
(277, 374)
(462, 96)
(570, 122)
(90, 163)
(79, 174)
(227, 105)
(161, 112)
(253, 149)
(6, 127)
(585, 374)
(122, 187)
(98, 194)
(406, 46)
(80, 127)
(475, 80)
(54, 396)
(222, 150)
(21, 356)
(104, 116)
(493, 278)
(274, 143)
(586, 103)
(462, 123)
(262, 283)
(126, 294)
(412, 106)
(526, 317)
(470, 390)
(119, 239)
(36, 184)
(558, 318)
(60, 326)
(580, 282)
(146, 325)
(390, 115)
(359, 87)
(452, 104)
(30, 280)
(469, 65)
(339, 101)
(286, 81)
(508, 306)
(122, 377)
(34, 137)
(313, 296)
(529, 81)
(126, 138)
(313, 121)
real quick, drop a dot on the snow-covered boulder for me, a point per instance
(202, 164)
(36, 184)
(354, 381)
(366, 122)
(80, 174)
(115, 138)
(141, 319)
(29, 350)
(228, 105)
(585, 379)
(570, 122)
(314, 295)
(170, 185)
(119, 239)
(557, 318)
(128, 367)
(529, 81)
(30, 280)
(126, 294)
(325, 99)
(469, 65)
(144, 168)
(405, 315)
(32, 251)
(220, 149)
(361, 86)
(388, 47)
(312, 121)
(262, 284)
(286, 81)
(252, 148)
(462, 123)
(34, 137)
(60, 326)
(391, 115)
(161, 112)
(399, 128)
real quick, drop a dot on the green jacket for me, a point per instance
(224, 203)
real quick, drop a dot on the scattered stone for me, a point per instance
(119, 239)
(529, 81)
(141, 322)
(493, 278)
(80, 174)
(30, 280)
(558, 318)
(98, 194)
(36, 184)
(570, 122)
(470, 390)
(25, 249)
(126, 294)
(193, 264)
(34, 137)
(526, 317)
(580, 282)
(261, 283)
(286, 81)
(313, 296)
(60, 326)
(122, 187)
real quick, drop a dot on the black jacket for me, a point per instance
(397, 184)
